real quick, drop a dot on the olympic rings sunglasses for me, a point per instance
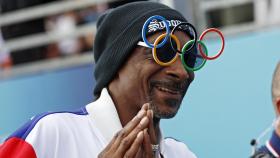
(164, 50)
(165, 55)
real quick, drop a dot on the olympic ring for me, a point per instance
(155, 50)
(145, 26)
(185, 51)
(195, 36)
(200, 60)
(223, 43)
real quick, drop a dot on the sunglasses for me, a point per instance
(166, 55)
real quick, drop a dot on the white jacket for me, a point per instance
(81, 134)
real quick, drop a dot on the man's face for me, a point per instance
(142, 80)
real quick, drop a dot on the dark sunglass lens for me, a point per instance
(192, 58)
(166, 53)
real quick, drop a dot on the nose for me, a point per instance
(177, 71)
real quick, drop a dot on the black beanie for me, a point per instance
(118, 31)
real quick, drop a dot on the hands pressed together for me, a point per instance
(135, 139)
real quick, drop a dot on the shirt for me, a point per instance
(271, 149)
(80, 134)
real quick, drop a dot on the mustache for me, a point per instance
(180, 86)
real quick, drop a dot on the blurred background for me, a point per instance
(46, 64)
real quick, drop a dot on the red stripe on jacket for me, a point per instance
(16, 148)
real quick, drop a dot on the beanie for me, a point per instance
(118, 31)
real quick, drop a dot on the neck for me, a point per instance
(157, 130)
(127, 112)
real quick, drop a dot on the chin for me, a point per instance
(165, 103)
(166, 110)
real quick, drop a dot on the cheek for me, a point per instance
(133, 78)
(139, 72)
(150, 72)
(147, 73)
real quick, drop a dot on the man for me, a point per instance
(272, 147)
(132, 94)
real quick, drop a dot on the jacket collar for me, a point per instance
(105, 117)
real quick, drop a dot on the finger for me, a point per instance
(117, 139)
(140, 151)
(147, 145)
(130, 126)
(151, 129)
(131, 153)
(145, 106)
(109, 146)
(127, 141)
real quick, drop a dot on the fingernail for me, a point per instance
(144, 120)
(146, 131)
(140, 134)
(141, 113)
(145, 106)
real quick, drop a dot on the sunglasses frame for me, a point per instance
(184, 50)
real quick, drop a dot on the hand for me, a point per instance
(149, 137)
(127, 142)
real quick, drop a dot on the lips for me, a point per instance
(168, 90)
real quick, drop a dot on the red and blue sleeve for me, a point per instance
(16, 146)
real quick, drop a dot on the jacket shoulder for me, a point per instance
(38, 131)
(178, 148)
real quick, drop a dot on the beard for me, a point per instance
(158, 113)
(173, 103)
